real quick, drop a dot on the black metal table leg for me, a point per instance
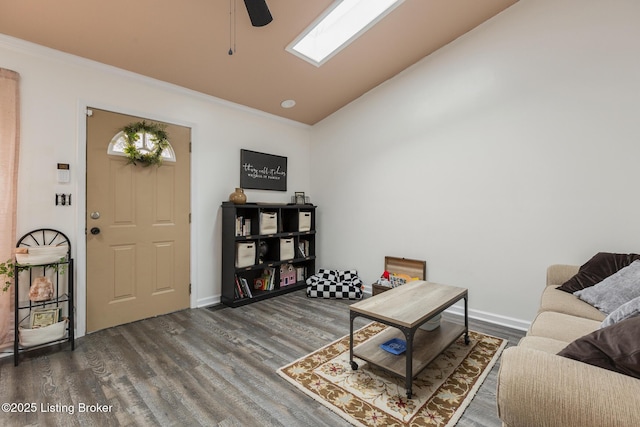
(408, 334)
(466, 322)
(354, 365)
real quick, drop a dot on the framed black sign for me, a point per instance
(263, 171)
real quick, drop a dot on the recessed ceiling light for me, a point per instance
(288, 103)
(337, 27)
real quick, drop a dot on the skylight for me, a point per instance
(338, 26)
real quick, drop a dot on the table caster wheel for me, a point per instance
(354, 365)
(466, 340)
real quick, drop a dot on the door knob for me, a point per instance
(95, 215)
(95, 230)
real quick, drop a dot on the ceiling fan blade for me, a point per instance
(258, 12)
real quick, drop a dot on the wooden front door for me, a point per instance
(137, 227)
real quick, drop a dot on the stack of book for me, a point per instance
(242, 289)
(266, 281)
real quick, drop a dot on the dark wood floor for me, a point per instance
(210, 367)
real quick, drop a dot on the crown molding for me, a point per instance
(36, 50)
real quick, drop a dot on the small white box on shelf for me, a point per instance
(268, 222)
(245, 254)
(286, 249)
(304, 221)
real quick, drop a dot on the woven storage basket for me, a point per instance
(31, 337)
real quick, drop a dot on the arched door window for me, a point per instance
(145, 144)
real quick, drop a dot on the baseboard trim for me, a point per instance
(483, 316)
(492, 318)
(208, 301)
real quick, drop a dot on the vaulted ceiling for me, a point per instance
(187, 43)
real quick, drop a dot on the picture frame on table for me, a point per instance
(44, 317)
(300, 199)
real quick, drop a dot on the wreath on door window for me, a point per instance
(158, 136)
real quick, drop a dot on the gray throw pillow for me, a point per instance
(625, 311)
(617, 289)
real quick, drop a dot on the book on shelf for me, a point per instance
(239, 221)
(243, 226)
(246, 288)
(303, 248)
(238, 289)
(273, 279)
(301, 273)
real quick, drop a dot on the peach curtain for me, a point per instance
(9, 149)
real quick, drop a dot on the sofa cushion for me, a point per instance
(562, 327)
(625, 311)
(615, 348)
(563, 302)
(548, 345)
(617, 289)
(598, 268)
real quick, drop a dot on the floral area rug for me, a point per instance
(370, 396)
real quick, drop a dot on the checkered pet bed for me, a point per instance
(335, 284)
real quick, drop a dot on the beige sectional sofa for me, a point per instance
(538, 388)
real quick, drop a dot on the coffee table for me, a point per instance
(406, 308)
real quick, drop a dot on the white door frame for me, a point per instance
(80, 201)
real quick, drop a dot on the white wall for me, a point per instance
(56, 88)
(512, 148)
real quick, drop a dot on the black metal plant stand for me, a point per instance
(63, 288)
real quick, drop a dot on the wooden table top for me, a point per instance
(410, 304)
